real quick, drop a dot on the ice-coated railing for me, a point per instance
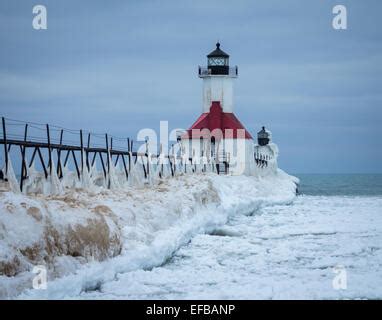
(206, 72)
(73, 162)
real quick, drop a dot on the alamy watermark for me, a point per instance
(340, 19)
(339, 281)
(40, 281)
(40, 18)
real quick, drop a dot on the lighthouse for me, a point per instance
(217, 137)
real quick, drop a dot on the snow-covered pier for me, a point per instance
(73, 162)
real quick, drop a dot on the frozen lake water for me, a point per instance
(279, 252)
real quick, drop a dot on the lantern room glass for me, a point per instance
(216, 61)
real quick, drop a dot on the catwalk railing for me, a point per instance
(56, 148)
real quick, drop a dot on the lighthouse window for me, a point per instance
(201, 148)
(217, 61)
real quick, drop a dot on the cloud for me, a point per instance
(123, 65)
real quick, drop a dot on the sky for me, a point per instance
(120, 66)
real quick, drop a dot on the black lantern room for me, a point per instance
(263, 137)
(218, 61)
(218, 64)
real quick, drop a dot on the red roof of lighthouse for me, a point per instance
(217, 119)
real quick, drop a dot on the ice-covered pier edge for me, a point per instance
(86, 236)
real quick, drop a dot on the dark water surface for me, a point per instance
(340, 184)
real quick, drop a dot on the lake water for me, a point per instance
(340, 184)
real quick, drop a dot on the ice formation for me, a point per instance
(127, 227)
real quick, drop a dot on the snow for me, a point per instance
(195, 236)
(279, 252)
(143, 227)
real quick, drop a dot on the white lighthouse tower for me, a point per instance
(218, 80)
(217, 136)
